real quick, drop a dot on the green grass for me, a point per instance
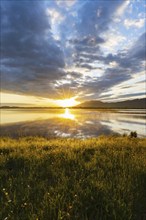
(93, 179)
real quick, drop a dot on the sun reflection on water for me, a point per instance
(68, 115)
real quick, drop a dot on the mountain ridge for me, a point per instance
(135, 103)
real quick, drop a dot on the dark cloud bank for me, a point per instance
(31, 58)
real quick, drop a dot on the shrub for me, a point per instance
(133, 134)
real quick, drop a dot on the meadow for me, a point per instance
(100, 178)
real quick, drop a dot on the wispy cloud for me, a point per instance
(137, 23)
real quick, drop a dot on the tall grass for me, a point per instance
(93, 179)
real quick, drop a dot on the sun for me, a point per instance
(67, 102)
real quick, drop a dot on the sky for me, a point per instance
(78, 49)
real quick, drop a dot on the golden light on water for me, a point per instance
(68, 115)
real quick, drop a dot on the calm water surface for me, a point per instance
(72, 123)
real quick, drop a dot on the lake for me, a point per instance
(77, 123)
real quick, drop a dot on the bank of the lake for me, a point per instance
(102, 178)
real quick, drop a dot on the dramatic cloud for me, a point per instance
(138, 51)
(81, 48)
(31, 59)
(94, 17)
(93, 20)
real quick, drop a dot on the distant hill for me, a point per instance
(29, 107)
(136, 103)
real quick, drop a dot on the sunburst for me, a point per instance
(67, 102)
